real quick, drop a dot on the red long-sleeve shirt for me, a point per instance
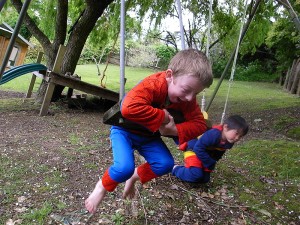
(144, 105)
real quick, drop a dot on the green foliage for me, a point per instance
(164, 53)
(253, 72)
(281, 37)
(48, 12)
(218, 67)
(10, 16)
(258, 29)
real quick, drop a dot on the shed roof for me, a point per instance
(6, 31)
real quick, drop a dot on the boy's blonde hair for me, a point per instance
(192, 62)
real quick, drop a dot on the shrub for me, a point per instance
(164, 53)
(254, 71)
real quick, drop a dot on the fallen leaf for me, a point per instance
(186, 213)
(210, 195)
(21, 199)
(174, 187)
(204, 195)
(20, 210)
(278, 206)
(11, 222)
(265, 212)
(249, 191)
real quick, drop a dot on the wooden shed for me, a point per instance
(19, 50)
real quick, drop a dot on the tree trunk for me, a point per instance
(77, 40)
(75, 44)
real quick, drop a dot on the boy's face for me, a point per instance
(232, 135)
(183, 88)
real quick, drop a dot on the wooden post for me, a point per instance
(33, 78)
(51, 86)
(288, 73)
(296, 79)
(292, 75)
(298, 90)
(59, 59)
(47, 99)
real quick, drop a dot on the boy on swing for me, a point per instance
(201, 155)
(148, 104)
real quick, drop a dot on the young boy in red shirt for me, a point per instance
(148, 105)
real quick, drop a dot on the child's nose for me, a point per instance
(189, 97)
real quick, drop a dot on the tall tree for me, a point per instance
(91, 11)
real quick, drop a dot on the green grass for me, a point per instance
(267, 174)
(252, 96)
(89, 74)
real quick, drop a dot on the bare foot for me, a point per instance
(95, 198)
(129, 189)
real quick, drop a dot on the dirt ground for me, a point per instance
(68, 151)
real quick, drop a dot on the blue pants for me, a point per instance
(153, 149)
(191, 174)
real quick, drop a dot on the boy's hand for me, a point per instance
(183, 146)
(168, 129)
(167, 117)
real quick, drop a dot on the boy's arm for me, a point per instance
(194, 124)
(137, 105)
(189, 145)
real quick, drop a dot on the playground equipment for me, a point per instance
(13, 37)
(55, 78)
(21, 70)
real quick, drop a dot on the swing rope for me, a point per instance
(230, 81)
(180, 24)
(203, 100)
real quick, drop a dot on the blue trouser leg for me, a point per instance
(153, 149)
(191, 174)
(123, 155)
(157, 155)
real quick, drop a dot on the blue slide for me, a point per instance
(21, 70)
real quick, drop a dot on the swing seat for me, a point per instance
(114, 117)
(205, 115)
(208, 122)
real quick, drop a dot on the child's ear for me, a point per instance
(225, 127)
(169, 73)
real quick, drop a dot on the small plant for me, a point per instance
(117, 218)
(74, 139)
(39, 215)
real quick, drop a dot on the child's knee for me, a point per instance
(164, 166)
(121, 174)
